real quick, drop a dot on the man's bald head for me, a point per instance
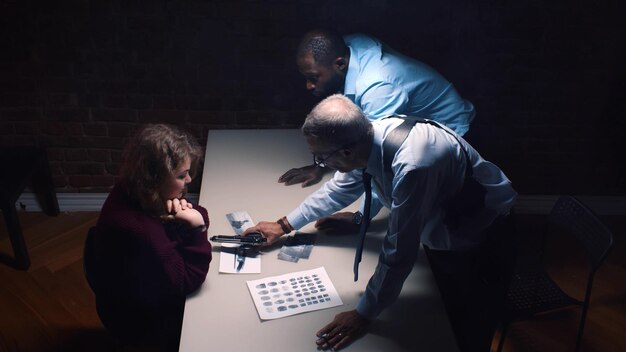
(337, 120)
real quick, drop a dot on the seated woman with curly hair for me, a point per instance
(149, 247)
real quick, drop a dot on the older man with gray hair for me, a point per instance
(441, 193)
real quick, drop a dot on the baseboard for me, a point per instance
(526, 204)
(71, 202)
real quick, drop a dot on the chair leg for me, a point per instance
(583, 318)
(503, 331)
(22, 260)
(43, 186)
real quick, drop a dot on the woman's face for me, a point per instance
(176, 183)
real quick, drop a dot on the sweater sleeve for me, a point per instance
(196, 252)
(182, 256)
(146, 260)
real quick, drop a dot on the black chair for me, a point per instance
(91, 274)
(532, 290)
(88, 258)
(22, 167)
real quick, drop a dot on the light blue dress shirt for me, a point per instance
(427, 169)
(383, 82)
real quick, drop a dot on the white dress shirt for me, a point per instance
(428, 169)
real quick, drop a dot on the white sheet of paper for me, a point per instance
(239, 221)
(228, 265)
(293, 293)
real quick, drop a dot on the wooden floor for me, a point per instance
(50, 307)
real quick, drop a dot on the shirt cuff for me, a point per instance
(296, 219)
(367, 310)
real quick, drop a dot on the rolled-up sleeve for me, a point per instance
(414, 194)
(339, 192)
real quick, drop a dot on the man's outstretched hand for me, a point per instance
(342, 331)
(338, 223)
(307, 175)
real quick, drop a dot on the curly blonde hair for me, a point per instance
(150, 157)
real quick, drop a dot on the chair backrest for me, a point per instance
(571, 214)
(88, 260)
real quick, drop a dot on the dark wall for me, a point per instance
(547, 77)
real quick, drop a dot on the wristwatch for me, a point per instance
(357, 218)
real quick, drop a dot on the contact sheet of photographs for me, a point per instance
(293, 293)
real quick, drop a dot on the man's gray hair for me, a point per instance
(337, 121)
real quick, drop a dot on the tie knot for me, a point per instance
(366, 176)
(367, 181)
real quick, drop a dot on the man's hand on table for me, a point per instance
(338, 223)
(346, 328)
(270, 230)
(307, 175)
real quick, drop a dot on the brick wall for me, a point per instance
(547, 77)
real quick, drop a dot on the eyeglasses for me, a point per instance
(321, 161)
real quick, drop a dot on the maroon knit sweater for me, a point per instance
(141, 260)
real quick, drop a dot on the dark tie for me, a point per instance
(367, 184)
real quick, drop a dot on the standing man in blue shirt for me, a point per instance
(380, 81)
(470, 251)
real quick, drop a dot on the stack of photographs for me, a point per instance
(296, 247)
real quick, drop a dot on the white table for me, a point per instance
(240, 173)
